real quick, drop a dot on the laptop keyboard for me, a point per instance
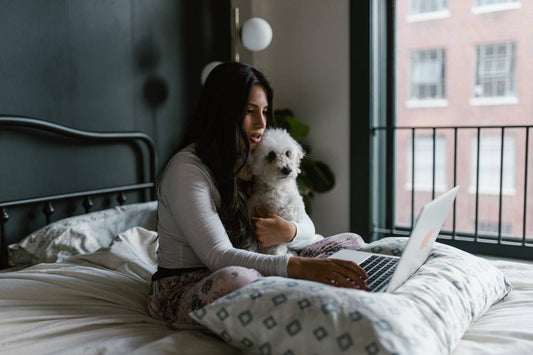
(380, 270)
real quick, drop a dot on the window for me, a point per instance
(488, 6)
(492, 2)
(492, 227)
(427, 74)
(490, 164)
(495, 70)
(425, 6)
(423, 168)
(413, 61)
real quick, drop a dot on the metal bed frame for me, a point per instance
(137, 138)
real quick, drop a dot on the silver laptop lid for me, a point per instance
(422, 238)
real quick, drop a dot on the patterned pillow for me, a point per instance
(81, 234)
(426, 315)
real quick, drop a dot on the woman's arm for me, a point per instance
(336, 272)
(271, 229)
(189, 193)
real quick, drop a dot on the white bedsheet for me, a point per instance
(507, 328)
(95, 304)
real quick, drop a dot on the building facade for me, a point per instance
(466, 63)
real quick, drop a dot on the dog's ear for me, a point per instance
(301, 152)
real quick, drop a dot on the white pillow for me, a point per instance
(81, 234)
(132, 252)
(426, 315)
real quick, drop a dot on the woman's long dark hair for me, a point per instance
(217, 131)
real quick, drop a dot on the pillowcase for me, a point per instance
(426, 315)
(81, 234)
(132, 252)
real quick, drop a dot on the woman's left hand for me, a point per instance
(271, 229)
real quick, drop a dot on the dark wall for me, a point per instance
(99, 65)
(113, 65)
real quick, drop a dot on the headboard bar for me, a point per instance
(48, 209)
(22, 121)
(88, 194)
(4, 217)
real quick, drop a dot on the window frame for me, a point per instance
(418, 16)
(492, 2)
(440, 5)
(418, 61)
(373, 131)
(483, 76)
(480, 9)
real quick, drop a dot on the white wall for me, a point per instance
(307, 63)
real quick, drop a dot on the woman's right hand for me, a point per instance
(336, 272)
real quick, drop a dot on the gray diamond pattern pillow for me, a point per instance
(427, 315)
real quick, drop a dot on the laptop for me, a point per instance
(387, 273)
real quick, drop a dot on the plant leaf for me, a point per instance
(296, 128)
(317, 174)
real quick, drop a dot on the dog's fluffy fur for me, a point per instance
(274, 165)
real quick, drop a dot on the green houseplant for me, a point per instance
(315, 176)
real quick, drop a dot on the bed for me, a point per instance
(78, 285)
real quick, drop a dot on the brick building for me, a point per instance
(466, 63)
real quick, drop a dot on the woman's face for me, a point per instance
(255, 119)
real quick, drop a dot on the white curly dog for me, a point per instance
(274, 165)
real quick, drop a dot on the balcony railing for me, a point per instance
(518, 243)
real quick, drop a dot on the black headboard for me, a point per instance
(47, 200)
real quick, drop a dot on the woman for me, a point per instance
(203, 219)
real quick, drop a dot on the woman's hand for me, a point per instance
(271, 229)
(336, 272)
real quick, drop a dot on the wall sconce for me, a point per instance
(255, 35)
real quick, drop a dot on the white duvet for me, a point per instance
(92, 304)
(95, 304)
(506, 328)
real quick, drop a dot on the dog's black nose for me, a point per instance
(286, 170)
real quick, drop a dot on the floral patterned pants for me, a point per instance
(174, 297)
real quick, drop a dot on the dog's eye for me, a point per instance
(271, 156)
(288, 153)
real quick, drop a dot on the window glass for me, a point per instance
(427, 74)
(460, 76)
(425, 6)
(423, 168)
(495, 70)
(490, 164)
(492, 2)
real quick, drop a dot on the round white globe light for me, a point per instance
(256, 34)
(207, 69)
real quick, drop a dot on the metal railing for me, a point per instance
(518, 245)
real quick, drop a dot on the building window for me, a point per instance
(423, 168)
(493, 227)
(495, 70)
(427, 74)
(490, 164)
(493, 2)
(427, 6)
(488, 6)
